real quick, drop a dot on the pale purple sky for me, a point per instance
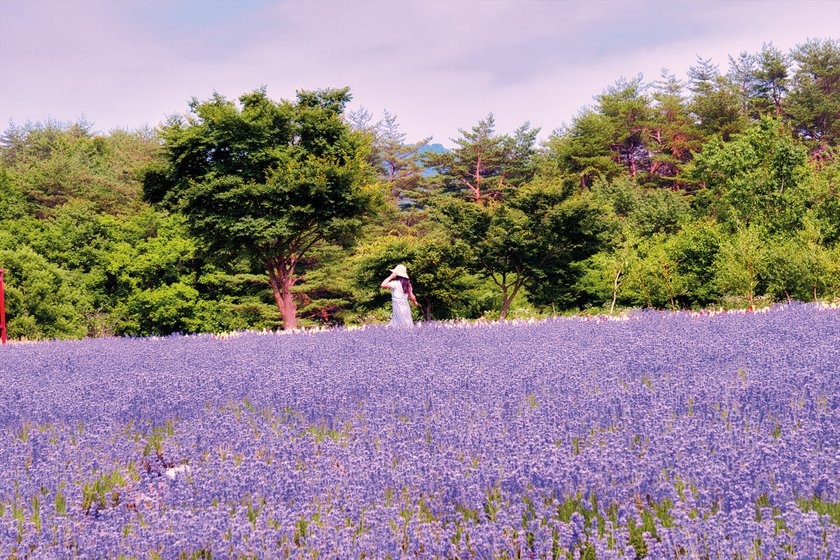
(438, 65)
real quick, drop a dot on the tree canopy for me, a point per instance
(270, 180)
(719, 188)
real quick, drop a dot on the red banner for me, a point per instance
(2, 309)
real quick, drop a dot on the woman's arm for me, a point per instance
(384, 283)
(411, 296)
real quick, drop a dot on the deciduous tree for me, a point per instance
(538, 239)
(270, 180)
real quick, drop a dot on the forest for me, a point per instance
(717, 189)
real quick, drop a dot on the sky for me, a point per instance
(437, 65)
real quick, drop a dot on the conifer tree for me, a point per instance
(484, 165)
(814, 100)
(400, 161)
(672, 135)
(715, 101)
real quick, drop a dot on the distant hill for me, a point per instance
(435, 149)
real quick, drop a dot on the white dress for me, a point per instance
(400, 309)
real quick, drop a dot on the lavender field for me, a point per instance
(663, 435)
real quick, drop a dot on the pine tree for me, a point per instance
(814, 101)
(484, 165)
(715, 101)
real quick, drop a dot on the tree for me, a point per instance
(42, 299)
(772, 79)
(270, 180)
(672, 135)
(437, 270)
(695, 249)
(580, 154)
(652, 275)
(393, 160)
(485, 165)
(53, 164)
(715, 102)
(400, 162)
(825, 195)
(538, 239)
(739, 263)
(646, 211)
(757, 177)
(814, 100)
(761, 81)
(627, 109)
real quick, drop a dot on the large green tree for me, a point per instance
(485, 165)
(716, 102)
(400, 161)
(266, 179)
(758, 177)
(814, 100)
(537, 240)
(579, 154)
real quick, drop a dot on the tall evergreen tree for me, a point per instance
(772, 74)
(579, 154)
(484, 165)
(672, 135)
(814, 100)
(401, 163)
(715, 101)
(627, 109)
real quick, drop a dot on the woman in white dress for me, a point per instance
(401, 293)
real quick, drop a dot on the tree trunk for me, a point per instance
(505, 306)
(281, 276)
(508, 299)
(505, 299)
(615, 288)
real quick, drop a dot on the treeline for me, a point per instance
(717, 190)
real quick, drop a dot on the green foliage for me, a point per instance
(627, 110)
(758, 177)
(397, 163)
(485, 165)
(55, 163)
(739, 264)
(268, 181)
(438, 273)
(800, 267)
(672, 134)
(814, 100)
(657, 195)
(653, 278)
(539, 238)
(13, 203)
(695, 249)
(164, 309)
(716, 102)
(647, 211)
(42, 299)
(824, 189)
(580, 154)
(660, 271)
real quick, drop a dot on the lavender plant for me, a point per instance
(661, 435)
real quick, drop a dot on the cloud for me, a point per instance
(439, 65)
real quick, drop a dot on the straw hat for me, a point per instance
(400, 270)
